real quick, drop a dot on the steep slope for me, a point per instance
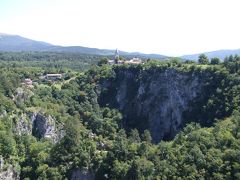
(158, 100)
(164, 99)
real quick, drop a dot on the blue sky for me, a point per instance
(169, 27)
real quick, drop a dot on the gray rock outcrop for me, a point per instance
(23, 125)
(3, 114)
(21, 95)
(82, 175)
(9, 174)
(44, 126)
(153, 100)
(39, 125)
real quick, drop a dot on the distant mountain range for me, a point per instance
(220, 54)
(17, 43)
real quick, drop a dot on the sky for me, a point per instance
(169, 27)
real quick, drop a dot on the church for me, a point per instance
(117, 60)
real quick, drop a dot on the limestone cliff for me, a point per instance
(23, 125)
(43, 126)
(78, 174)
(9, 174)
(153, 99)
(7, 171)
(39, 125)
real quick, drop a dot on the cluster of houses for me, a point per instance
(54, 77)
(117, 60)
(29, 83)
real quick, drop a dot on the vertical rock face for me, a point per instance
(23, 125)
(1, 162)
(171, 93)
(22, 95)
(81, 175)
(153, 100)
(39, 125)
(9, 174)
(43, 126)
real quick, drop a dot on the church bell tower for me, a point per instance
(116, 58)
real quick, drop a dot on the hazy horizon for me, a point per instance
(171, 27)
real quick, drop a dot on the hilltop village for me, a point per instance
(118, 60)
(56, 78)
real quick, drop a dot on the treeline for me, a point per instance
(58, 60)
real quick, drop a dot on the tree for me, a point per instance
(103, 61)
(141, 168)
(215, 60)
(231, 59)
(134, 136)
(7, 145)
(73, 133)
(175, 60)
(203, 59)
(146, 136)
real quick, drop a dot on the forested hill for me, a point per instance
(158, 120)
(18, 43)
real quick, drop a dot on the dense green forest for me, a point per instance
(73, 127)
(58, 60)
